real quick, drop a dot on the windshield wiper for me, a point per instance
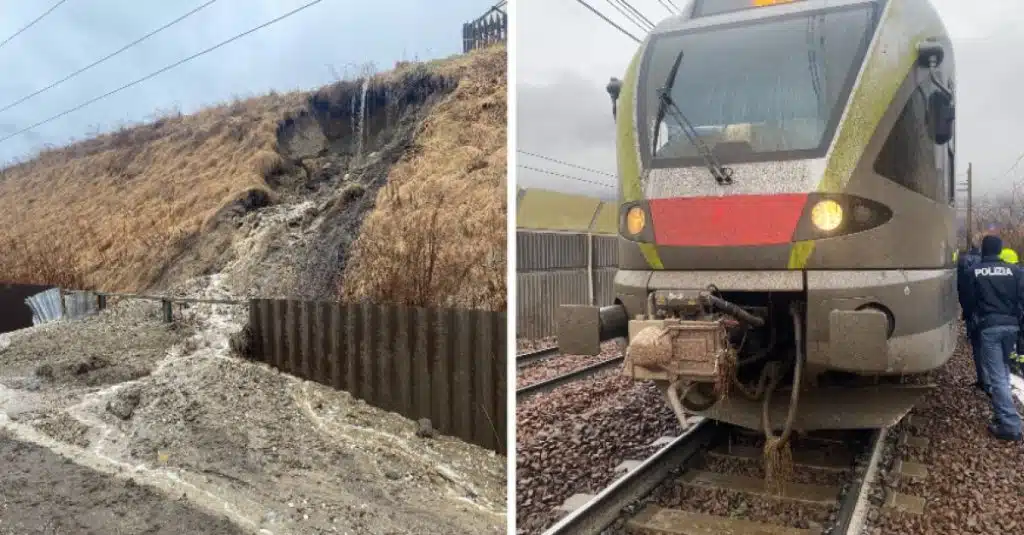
(722, 174)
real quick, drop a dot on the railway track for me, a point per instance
(565, 378)
(524, 359)
(710, 460)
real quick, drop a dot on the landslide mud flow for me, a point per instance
(237, 439)
(41, 492)
(122, 395)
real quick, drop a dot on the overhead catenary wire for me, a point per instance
(609, 21)
(563, 175)
(636, 12)
(164, 69)
(31, 24)
(580, 167)
(108, 56)
(629, 16)
(1012, 167)
(669, 5)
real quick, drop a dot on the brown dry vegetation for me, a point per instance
(437, 236)
(1004, 211)
(113, 209)
(118, 212)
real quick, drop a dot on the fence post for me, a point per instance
(167, 310)
(591, 279)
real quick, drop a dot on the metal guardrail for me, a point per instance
(57, 303)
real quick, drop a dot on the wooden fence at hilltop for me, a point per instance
(444, 364)
(489, 28)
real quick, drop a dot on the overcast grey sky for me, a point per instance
(296, 53)
(565, 56)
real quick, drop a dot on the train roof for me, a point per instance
(710, 13)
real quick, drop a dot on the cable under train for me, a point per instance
(786, 212)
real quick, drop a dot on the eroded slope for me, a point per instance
(287, 180)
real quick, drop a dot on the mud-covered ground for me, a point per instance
(41, 492)
(125, 394)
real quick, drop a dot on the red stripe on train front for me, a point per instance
(726, 221)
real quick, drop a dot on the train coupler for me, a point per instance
(676, 350)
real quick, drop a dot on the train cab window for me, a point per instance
(764, 89)
(910, 157)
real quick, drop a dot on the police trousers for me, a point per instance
(996, 343)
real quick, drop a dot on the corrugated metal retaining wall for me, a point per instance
(444, 364)
(556, 231)
(552, 269)
(46, 306)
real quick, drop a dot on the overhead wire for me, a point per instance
(580, 167)
(31, 24)
(1012, 167)
(108, 56)
(164, 69)
(609, 21)
(625, 13)
(636, 12)
(668, 5)
(571, 177)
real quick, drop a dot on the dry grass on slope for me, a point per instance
(112, 210)
(437, 235)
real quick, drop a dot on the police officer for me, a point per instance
(963, 280)
(996, 295)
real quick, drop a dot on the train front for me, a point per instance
(785, 212)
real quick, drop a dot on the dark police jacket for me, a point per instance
(996, 293)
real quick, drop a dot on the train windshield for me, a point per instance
(759, 90)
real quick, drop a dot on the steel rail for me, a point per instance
(575, 375)
(522, 359)
(853, 510)
(602, 510)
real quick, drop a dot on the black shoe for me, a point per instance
(1001, 435)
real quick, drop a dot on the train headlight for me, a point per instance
(827, 215)
(636, 220)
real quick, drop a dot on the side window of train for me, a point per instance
(910, 157)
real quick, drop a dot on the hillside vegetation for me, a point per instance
(277, 187)
(439, 227)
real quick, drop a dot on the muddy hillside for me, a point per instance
(384, 189)
(333, 192)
